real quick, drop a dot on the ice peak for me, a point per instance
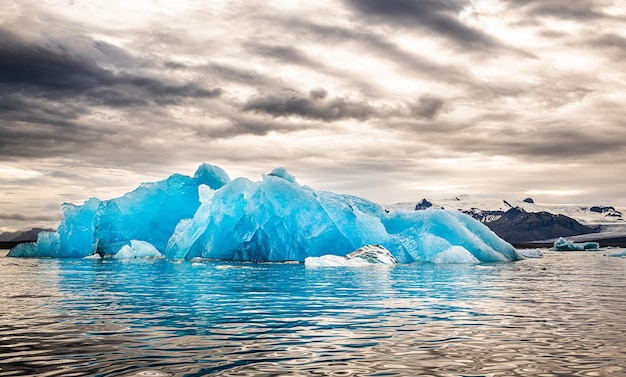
(284, 174)
(211, 175)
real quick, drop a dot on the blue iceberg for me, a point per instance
(275, 219)
(568, 245)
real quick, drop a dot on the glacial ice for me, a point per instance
(618, 253)
(25, 250)
(368, 255)
(455, 254)
(137, 249)
(530, 253)
(568, 245)
(275, 219)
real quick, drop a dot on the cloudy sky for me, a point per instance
(392, 100)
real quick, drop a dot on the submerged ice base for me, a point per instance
(275, 219)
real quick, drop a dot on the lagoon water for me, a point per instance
(563, 315)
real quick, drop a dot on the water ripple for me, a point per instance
(556, 316)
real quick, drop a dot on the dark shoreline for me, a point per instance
(11, 244)
(604, 242)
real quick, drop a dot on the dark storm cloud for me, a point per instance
(435, 16)
(288, 103)
(54, 71)
(48, 86)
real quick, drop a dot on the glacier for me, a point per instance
(211, 216)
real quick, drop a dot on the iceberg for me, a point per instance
(275, 219)
(567, 245)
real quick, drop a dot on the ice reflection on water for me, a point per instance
(561, 315)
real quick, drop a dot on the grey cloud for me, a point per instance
(438, 17)
(284, 54)
(240, 74)
(20, 217)
(374, 44)
(612, 42)
(42, 140)
(289, 103)
(54, 71)
(609, 40)
(428, 107)
(562, 144)
(172, 64)
(539, 142)
(47, 89)
(244, 125)
(565, 9)
(318, 93)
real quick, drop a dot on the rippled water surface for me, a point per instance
(561, 315)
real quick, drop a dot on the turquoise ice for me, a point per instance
(274, 219)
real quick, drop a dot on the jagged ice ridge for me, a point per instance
(275, 219)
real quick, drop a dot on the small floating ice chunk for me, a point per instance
(530, 253)
(368, 255)
(618, 254)
(284, 174)
(567, 245)
(374, 254)
(137, 249)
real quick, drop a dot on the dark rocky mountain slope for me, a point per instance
(519, 226)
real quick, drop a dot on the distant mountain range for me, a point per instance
(527, 222)
(520, 222)
(10, 239)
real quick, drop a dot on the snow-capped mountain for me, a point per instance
(522, 221)
(492, 209)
